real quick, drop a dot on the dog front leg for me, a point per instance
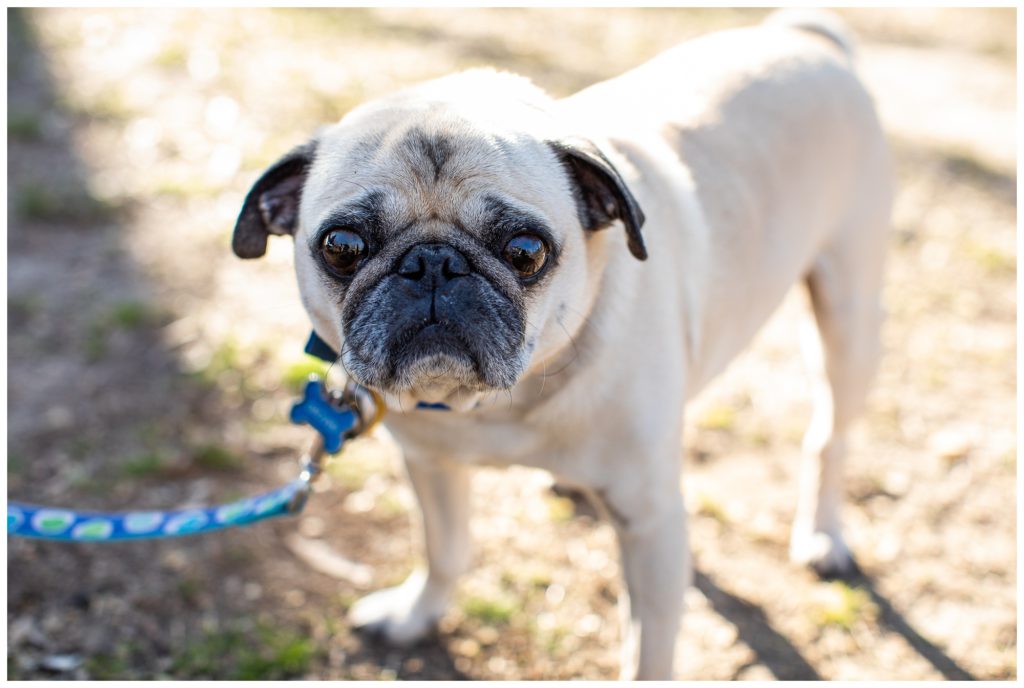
(656, 566)
(404, 614)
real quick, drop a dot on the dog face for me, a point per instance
(445, 237)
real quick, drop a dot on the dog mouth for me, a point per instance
(436, 362)
(435, 353)
(433, 338)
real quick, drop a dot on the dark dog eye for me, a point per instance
(342, 250)
(526, 253)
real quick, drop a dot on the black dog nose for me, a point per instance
(437, 262)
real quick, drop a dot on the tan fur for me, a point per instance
(758, 161)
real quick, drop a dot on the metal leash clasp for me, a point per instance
(368, 409)
(312, 467)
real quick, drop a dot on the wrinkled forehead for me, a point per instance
(456, 174)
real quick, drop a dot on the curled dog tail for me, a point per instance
(820, 22)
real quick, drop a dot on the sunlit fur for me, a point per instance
(757, 158)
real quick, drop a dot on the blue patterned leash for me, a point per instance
(336, 417)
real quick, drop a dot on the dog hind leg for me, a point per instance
(841, 354)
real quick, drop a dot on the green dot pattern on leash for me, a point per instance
(52, 521)
(93, 529)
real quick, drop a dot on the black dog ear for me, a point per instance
(272, 204)
(601, 194)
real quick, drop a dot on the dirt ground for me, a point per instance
(149, 368)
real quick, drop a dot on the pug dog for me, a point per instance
(546, 282)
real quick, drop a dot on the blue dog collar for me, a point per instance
(318, 348)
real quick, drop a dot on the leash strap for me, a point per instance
(47, 523)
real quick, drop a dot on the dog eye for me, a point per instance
(342, 250)
(526, 253)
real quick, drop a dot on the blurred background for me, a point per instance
(149, 368)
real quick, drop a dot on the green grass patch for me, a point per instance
(95, 346)
(81, 447)
(189, 589)
(225, 358)
(109, 105)
(539, 578)
(111, 666)
(345, 600)
(300, 22)
(91, 483)
(494, 610)
(42, 203)
(297, 372)
(171, 56)
(184, 188)
(992, 259)
(267, 653)
(717, 417)
(26, 306)
(146, 465)
(125, 315)
(548, 634)
(760, 437)
(560, 509)
(24, 126)
(216, 458)
(131, 315)
(389, 506)
(1009, 460)
(708, 506)
(843, 606)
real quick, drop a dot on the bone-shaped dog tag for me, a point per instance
(329, 417)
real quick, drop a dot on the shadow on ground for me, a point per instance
(784, 660)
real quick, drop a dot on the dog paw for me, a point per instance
(826, 553)
(400, 616)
